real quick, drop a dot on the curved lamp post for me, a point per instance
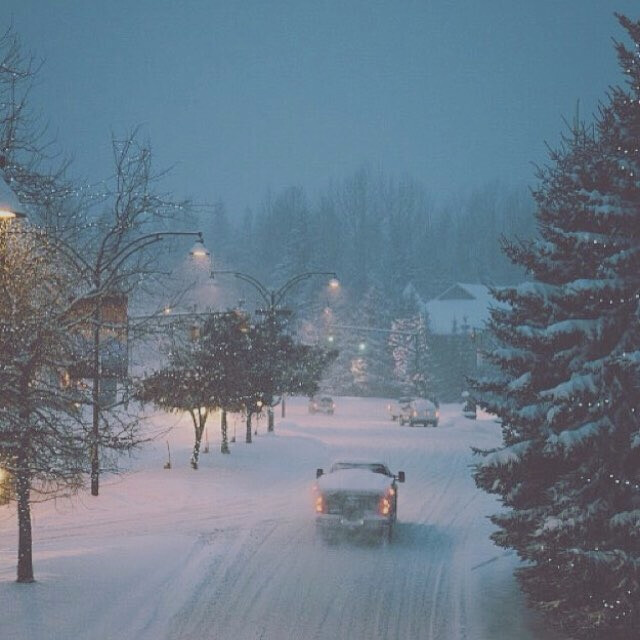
(103, 277)
(273, 297)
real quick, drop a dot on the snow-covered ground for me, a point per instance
(228, 552)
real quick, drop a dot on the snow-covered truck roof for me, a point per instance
(354, 480)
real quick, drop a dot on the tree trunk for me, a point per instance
(270, 420)
(95, 434)
(224, 446)
(282, 415)
(248, 436)
(95, 402)
(198, 425)
(25, 559)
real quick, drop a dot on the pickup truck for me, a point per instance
(356, 497)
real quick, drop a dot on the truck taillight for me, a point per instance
(385, 505)
(320, 504)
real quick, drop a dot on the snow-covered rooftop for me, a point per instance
(8, 199)
(461, 305)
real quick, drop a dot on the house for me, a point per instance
(457, 321)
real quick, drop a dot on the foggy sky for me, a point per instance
(243, 96)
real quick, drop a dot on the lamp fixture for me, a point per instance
(199, 251)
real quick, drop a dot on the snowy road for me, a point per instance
(229, 552)
(440, 579)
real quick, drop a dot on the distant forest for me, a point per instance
(391, 246)
(375, 232)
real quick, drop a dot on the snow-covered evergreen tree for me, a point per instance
(568, 391)
(336, 330)
(409, 344)
(373, 365)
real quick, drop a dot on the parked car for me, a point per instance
(322, 404)
(422, 412)
(356, 497)
(469, 409)
(400, 407)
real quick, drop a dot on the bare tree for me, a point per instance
(57, 280)
(41, 435)
(41, 430)
(29, 158)
(112, 257)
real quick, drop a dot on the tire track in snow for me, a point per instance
(281, 584)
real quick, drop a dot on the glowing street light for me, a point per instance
(199, 251)
(272, 298)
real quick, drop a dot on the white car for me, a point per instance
(421, 412)
(322, 404)
(357, 497)
(399, 408)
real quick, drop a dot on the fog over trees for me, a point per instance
(377, 230)
(387, 241)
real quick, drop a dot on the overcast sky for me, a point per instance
(243, 96)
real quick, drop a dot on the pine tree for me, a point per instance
(569, 382)
(373, 364)
(409, 343)
(336, 332)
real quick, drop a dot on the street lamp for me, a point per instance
(272, 299)
(103, 278)
(198, 250)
